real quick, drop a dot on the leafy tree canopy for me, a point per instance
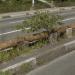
(44, 20)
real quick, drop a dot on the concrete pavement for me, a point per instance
(9, 25)
(51, 51)
(64, 65)
(15, 14)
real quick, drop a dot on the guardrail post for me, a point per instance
(69, 32)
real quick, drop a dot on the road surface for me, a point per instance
(64, 65)
(9, 25)
(45, 51)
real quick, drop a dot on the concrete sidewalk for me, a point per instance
(16, 14)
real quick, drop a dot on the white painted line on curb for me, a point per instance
(18, 64)
(69, 43)
(29, 60)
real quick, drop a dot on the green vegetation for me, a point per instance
(64, 3)
(39, 21)
(19, 5)
(43, 20)
(5, 73)
(25, 68)
(14, 5)
(20, 50)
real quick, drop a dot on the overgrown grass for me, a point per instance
(65, 3)
(22, 5)
(23, 69)
(5, 73)
(8, 55)
(19, 5)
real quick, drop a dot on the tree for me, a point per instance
(43, 20)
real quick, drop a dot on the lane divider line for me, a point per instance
(73, 18)
(15, 31)
(30, 27)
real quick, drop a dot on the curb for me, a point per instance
(56, 52)
(45, 56)
(16, 14)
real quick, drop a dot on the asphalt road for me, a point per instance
(64, 65)
(9, 25)
(38, 53)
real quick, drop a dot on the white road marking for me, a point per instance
(69, 19)
(29, 60)
(18, 64)
(14, 31)
(17, 21)
(30, 27)
(11, 32)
